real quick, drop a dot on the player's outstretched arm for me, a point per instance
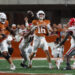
(66, 37)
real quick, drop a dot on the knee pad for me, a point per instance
(6, 56)
(10, 50)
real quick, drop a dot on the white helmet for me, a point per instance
(38, 15)
(3, 17)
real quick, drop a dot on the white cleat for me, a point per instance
(12, 67)
(73, 66)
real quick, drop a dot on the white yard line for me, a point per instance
(33, 73)
(35, 59)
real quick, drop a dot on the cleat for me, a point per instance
(51, 66)
(73, 65)
(30, 66)
(24, 65)
(12, 67)
(67, 68)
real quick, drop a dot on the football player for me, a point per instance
(71, 51)
(57, 52)
(25, 45)
(42, 29)
(4, 39)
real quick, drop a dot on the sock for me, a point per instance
(50, 65)
(30, 62)
(68, 65)
(24, 61)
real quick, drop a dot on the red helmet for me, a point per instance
(72, 22)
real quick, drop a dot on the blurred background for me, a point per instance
(58, 11)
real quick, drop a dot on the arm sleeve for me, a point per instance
(26, 24)
(67, 35)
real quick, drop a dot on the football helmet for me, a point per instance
(3, 17)
(72, 22)
(41, 15)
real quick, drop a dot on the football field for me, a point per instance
(38, 67)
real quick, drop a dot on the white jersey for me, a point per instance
(19, 36)
(72, 29)
(25, 42)
(9, 39)
(4, 44)
(25, 45)
(22, 31)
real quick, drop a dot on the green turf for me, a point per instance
(39, 66)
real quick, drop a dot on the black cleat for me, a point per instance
(67, 68)
(24, 65)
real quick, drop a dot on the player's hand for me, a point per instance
(26, 19)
